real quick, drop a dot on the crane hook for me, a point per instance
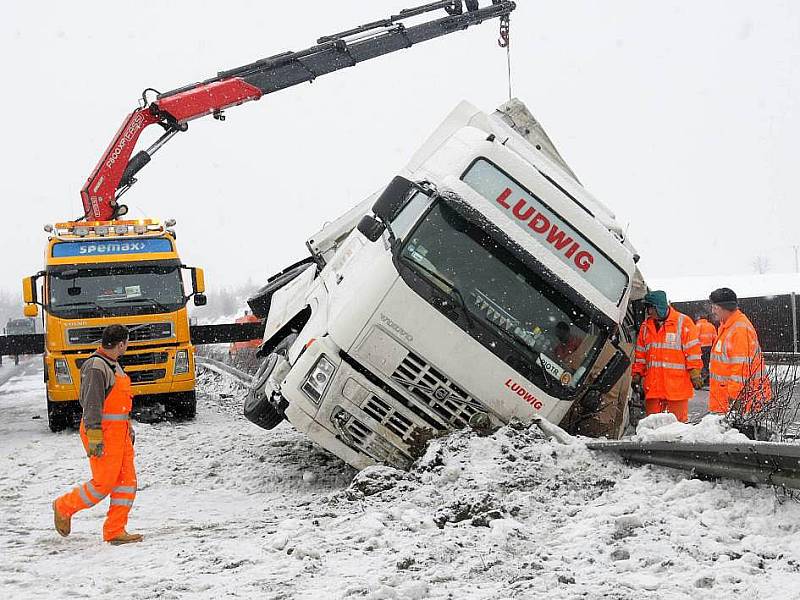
(505, 25)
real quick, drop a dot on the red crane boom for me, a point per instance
(115, 173)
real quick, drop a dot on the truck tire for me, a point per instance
(259, 408)
(61, 415)
(185, 406)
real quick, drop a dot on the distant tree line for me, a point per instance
(10, 307)
(224, 303)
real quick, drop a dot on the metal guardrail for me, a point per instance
(220, 367)
(226, 333)
(782, 358)
(33, 343)
(26, 343)
(754, 462)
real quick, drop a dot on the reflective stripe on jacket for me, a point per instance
(664, 356)
(706, 333)
(737, 367)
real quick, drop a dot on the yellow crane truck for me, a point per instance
(126, 272)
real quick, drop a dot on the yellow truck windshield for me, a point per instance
(115, 290)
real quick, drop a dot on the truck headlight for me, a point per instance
(318, 379)
(62, 371)
(181, 362)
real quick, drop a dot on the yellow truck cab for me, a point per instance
(105, 272)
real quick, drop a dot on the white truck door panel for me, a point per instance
(288, 301)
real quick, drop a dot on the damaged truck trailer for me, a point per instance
(483, 284)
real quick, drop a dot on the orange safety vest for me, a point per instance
(737, 367)
(118, 403)
(664, 357)
(706, 333)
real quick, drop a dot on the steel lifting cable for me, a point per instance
(504, 41)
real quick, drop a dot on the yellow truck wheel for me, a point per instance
(61, 415)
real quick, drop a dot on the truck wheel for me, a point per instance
(185, 407)
(60, 415)
(258, 407)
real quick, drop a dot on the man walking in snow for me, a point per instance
(667, 357)
(106, 399)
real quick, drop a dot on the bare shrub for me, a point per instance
(774, 417)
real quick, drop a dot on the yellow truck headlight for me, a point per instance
(62, 371)
(181, 362)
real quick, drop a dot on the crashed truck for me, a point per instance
(483, 284)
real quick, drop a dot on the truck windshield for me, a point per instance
(512, 310)
(97, 291)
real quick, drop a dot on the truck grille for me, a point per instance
(145, 358)
(431, 387)
(132, 360)
(147, 376)
(138, 333)
(387, 416)
(360, 437)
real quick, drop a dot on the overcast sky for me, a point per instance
(682, 116)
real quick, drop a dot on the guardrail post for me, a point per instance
(794, 323)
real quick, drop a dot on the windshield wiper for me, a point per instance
(453, 290)
(155, 303)
(101, 308)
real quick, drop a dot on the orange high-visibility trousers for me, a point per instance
(679, 408)
(113, 473)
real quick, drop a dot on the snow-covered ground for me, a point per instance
(231, 511)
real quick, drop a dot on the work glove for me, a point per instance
(95, 439)
(636, 380)
(697, 378)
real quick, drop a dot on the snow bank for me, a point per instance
(665, 427)
(232, 511)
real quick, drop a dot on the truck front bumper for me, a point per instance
(354, 418)
(155, 378)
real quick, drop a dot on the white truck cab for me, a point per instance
(482, 287)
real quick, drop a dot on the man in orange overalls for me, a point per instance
(667, 357)
(108, 437)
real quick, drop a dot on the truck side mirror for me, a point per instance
(371, 228)
(392, 198)
(29, 296)
(198, 281)
(200, 300)
(29, 290)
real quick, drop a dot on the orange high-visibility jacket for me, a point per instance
(737, 367)
(665, 356)
(706, 333)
